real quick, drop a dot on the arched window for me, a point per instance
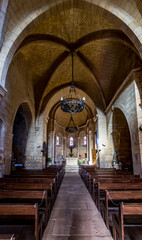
(71, 141)
(85, 140)
(57, 141)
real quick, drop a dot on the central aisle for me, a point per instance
(75, 215)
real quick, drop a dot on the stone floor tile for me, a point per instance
(60, 214)
(58, 238)
(49, 229)
(70, 204)
(84, 215)
(75, 216)
(89, 238)
(62, 228)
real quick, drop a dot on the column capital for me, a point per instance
(90, 132)
(95, 118)
(46, 119)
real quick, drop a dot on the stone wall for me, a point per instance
(19, 88)
(126, 102)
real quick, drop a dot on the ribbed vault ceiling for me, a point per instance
(103, 57)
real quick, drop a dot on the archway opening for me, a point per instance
(21, 129)
(122, 140)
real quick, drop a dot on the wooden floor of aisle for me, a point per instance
(75, 215)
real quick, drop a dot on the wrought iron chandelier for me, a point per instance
(71, 126)
(72, 103)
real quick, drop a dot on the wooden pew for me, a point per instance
(120, 196)
(7, 196)
(58, 175)
(99, 189)
(112, 179)
(34, 186)
(126, 209)
(89, 176)
(7, 237)
(32, 180)
(28, 210)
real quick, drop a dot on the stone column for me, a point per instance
(87, 136)
(102, 138)
(78, 147)
(64, 147)
(94, 149)
(90, 148)
(6, 166)
(135, 125)
(53, 147)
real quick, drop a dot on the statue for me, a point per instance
(115, 158)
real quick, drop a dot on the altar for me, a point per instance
(71, 161)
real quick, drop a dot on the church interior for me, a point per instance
(70, 119)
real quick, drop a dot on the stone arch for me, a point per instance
(16, 36)
(3, 8)
(122, 139)
(138, 93)
(56, 99)
(28, 109)
(21, 134)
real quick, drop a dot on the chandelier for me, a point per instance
(72, 103)
(71, 126)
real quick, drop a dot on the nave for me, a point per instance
(52, 204)
(75, 215)
(70, 99)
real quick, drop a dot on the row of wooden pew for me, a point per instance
(27, 198)
(118, 196)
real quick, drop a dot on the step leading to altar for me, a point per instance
(71, 164)
(71, 168)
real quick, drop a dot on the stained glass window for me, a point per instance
(85, 140)
(57, 140)
(71, 141)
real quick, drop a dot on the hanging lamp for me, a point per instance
(71, 127)
(72, 103)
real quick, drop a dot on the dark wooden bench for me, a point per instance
(58, 175)
(99, 189)
(24, 210)
(32, 180)
(129, 210)
(111, 179)
(89, 176)
(7, 237)
(18, 196)
(34, 186)
(114, 198)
